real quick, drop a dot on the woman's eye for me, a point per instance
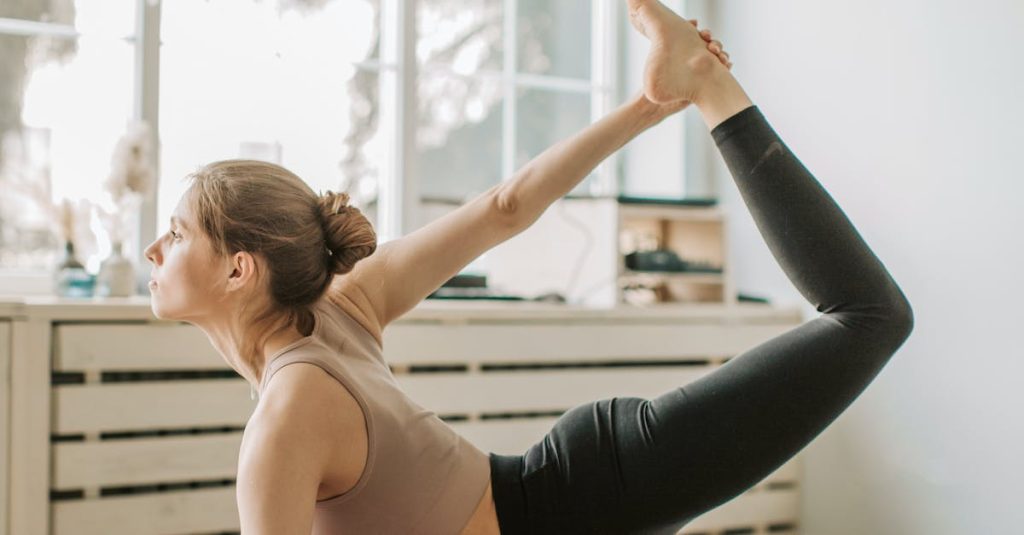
(174, 235)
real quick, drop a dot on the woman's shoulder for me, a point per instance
(302, 394)
(304, 387)
(347, 298)
(306, 408)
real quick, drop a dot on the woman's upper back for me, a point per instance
(419, 475)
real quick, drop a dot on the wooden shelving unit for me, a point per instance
(578, 248)
(696, 235)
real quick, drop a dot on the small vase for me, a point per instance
(70, 279)
(117, 275)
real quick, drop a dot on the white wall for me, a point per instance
(911, 114)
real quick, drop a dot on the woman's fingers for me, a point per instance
(715, 46)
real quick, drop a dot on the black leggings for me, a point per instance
(631, 465)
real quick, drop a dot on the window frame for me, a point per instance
(398, 200)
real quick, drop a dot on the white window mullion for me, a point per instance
(407, 68)
(146, 108)
(508, 108)
(603, 65)
(398, 198)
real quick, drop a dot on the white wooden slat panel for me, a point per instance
(151, 405)
(29, 465)
(155, 405)
(757, 508)
(148, 460)
(476, 343)
(169, 459)
(789, 472)
(540, 390)
(505, 437)
(195, 511)
(5, 431)
(207, 510)
(156, 346)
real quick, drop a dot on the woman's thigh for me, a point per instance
(598, 471)
(631, 465)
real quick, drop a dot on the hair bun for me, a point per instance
(348, 234)
(332, 203)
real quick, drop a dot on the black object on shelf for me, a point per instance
(666, 260)
(473, 293)
(466, 280)
(470, 286)
(747, 298)
(677, 201)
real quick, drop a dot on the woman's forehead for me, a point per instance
(182, 215)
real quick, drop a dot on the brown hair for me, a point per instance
(303, 238)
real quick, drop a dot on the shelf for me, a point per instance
(696, 278)
(655, 211)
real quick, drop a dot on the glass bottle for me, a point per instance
(117, 275)
(70, 277)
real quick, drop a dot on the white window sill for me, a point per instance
(25, 283)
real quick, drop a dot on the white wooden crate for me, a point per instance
(134, 435)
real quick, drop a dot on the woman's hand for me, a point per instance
(714, 46)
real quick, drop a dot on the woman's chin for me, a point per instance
(158, 311)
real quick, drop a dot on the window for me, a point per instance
(285, 87)
(413, 106)
(65, 99)
(499, 82)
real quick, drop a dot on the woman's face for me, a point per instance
(186, 276)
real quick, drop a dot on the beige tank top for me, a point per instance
(421, 477)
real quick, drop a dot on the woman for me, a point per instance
(334, 446)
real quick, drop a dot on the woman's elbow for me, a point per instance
(507, 203)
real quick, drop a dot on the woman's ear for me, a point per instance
(242, 271)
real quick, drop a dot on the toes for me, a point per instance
(640, 17)
(636, 20)
(634, 5)
(636, 24)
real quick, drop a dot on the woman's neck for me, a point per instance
(227, 335)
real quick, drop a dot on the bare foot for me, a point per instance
(685, 64)
(681, 57)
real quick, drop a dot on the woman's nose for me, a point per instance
(151, 251)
